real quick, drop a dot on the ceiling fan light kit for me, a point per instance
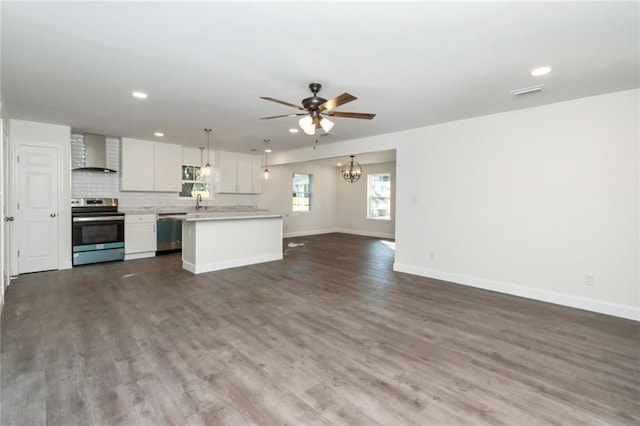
(317, 108)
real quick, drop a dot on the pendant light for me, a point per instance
(201, 162)
(206, 170)
(266, 159)
(352, 171)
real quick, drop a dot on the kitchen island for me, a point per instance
(214, 241)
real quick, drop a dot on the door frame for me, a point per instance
(4, 279)
(14, 199)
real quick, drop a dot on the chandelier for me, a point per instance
(351, 171)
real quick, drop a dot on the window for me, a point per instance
(379, 196)
(301, 193)
(193, 183)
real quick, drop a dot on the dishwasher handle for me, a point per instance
(169, 218)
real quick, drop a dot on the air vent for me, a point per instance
(525, 90)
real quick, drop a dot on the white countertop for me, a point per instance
(194, 217)
(184, 209)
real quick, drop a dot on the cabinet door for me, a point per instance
(257, 175)
(139, 237)
(225, 171)
(137, 169)
(167, 167)
(244, 174)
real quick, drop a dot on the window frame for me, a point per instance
(370, 178)
(308, 193)
(207, 181)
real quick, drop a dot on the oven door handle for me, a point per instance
(97, 219)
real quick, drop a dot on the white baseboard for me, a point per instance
(143, 255)
(593, 305)
(66, 265)
(307, 233)
(366, 233)
(226, 264)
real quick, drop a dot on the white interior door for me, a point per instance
(37, 209)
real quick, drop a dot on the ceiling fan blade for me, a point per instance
(278, 101)
(337, 101)
(351, 115)
(283, 115)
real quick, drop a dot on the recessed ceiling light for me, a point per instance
(293, 130)
(339, 164)
(139, 95)
(267, 150)
(159, 134)
(541, 71)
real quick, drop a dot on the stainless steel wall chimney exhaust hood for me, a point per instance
(95, 154)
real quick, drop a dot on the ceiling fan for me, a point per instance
(316, 110)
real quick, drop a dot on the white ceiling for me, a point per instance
(206, 64)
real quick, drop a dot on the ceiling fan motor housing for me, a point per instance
(313, 102)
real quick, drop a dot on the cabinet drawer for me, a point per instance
(139, 218)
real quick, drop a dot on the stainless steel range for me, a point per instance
(97, 230)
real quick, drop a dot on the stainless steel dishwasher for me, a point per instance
(169, 232)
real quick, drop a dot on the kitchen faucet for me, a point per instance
(198, 201)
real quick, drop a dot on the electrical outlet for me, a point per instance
(589, 279)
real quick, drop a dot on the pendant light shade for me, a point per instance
(306, 124)
(326, 124)
(206, 170)
(351, 171)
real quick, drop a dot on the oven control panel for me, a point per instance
(94, 202)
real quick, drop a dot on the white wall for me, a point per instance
(524, 202)
(527, 201)
(25, 132)
(277, 192)
(352, 204)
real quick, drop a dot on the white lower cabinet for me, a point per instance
(140, 236)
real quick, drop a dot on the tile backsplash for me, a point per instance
(107, 185)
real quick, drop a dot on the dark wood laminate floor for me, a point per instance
(329, 335)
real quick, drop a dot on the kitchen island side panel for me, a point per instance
(211, 245)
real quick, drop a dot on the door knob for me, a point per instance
(8, 219)
(52, 215)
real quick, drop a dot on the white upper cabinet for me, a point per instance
(237, 173)
(167, 170)
(225, 171)
(150, 166)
